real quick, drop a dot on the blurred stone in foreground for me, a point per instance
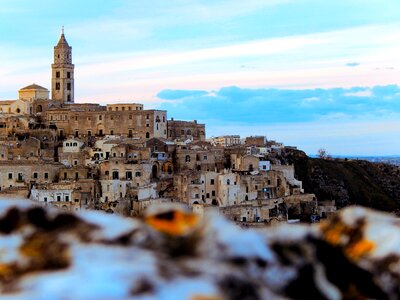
(173, 254)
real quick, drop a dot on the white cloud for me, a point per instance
(364, 93)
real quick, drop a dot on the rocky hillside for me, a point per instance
(375, 185)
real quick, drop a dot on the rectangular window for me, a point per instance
(138, 174)
(213, 193)
(10, 175)
(68, 74)
(19, 176)
(35, 175)
(208, 195)
(67, 198)
(128, 175)
(57, 74)
(46, 175)
(58, 198)
(45, 199)
(57, 86)
(212, 181)
(68, 86)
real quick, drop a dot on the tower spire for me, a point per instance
(62, 80)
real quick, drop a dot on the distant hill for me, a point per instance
(348, 181)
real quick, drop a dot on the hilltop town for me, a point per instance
(121, 158)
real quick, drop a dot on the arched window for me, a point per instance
(18, 110)
(169, 169)
(188, 132)
(147, 135)
(39, 108)
(187, 158)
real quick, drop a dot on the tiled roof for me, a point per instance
(34, 86)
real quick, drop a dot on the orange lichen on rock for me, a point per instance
(333, 233)
(359, 249)
(174, 222)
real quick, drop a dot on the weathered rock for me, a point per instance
(172, 254)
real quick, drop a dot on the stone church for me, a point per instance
(35, 109)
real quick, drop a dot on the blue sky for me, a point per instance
(309, 73)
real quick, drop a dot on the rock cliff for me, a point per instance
(375, 185)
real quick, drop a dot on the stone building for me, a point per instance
(186, 130)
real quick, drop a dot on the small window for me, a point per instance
(46, 175)
(57, 74)
(147, 135)
(138, 174)
(66, 198)
(130, 116)
(58, 198)
(68, 74)
(100, 118)
(45, 199)
(10, 175)
(57, 86)
(213, 193)
(212, 181)
(112, 132)
(35, 175)
(69, 98)
(68, 86)
(187, 158)
(147, 116)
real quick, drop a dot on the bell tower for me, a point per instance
(62, 72)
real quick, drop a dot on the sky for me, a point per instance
(308, 73)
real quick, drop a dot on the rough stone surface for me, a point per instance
(173, 254)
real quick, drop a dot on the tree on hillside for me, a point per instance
(323, 154)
